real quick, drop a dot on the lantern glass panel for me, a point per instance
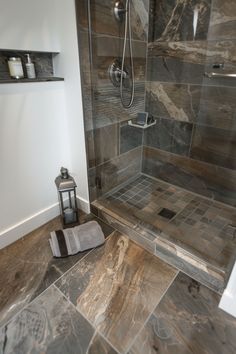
(67, 197)
(68, 206)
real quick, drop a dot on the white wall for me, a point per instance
(67, 65)
(228, 300)
(30, 24)
(41, 124)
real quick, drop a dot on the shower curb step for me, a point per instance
(196, 268)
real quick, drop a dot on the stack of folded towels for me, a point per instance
(77, 239)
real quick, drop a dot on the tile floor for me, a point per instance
(115, 299)
(31, 268)
(175, 222)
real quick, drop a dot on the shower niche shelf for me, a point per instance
(144, 126)
(43, 62)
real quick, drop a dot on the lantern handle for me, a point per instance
(64, 173)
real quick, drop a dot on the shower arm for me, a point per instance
(119, 11)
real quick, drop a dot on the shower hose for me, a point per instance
(127, 28)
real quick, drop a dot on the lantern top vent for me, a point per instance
(64, 181)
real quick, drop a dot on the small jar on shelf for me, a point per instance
(15, 68)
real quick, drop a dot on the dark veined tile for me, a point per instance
(197, 176)
(99, 345)
(223, 20)
(173, 20)
(104, 21)
(205, 105)
(169, 135)
(107, 104)
(217, 146)
(186, 62)
(107, 48)
(48, 325)
(32, 268)
(217, 107)
(189, 227)
(187, 320)
(169, 100)
(102, 144)
(130, 137)
(126, 290)
(114, 172)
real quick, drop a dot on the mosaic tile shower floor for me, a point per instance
(199, 231)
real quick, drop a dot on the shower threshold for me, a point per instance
(193, 233)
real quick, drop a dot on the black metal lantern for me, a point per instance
(67, 197)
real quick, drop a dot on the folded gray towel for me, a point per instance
(77, 239)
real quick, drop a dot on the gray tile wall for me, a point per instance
(193, 143)
(195, 135)
(113, 148)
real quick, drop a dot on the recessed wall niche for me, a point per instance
(43, 62)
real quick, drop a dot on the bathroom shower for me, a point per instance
(119, 74)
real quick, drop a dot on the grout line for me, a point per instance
(115, 157)
(23, 308)
(108, 341)
(53, 283)
(151, 313)
(143, 237)
(91, 341)
(105, 35)
(34, 299)
(190, 83)
(84, 316)
(68, 270)
(121, 185)
(191, 140)
(191, 192)
(188, 274)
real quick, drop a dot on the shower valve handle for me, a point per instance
(119, 72)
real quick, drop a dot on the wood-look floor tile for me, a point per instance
(187, 320)
(116, 287)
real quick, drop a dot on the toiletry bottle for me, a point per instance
(15, 68)
(30, 68)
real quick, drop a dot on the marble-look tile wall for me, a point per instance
(195, 135)
(113, 148)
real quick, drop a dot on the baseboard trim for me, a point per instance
(27, 225)
(83, 204)
(34, 221)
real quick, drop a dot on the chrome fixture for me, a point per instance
(220, 75)
(119, 10)
(118, 73)
(115, 72)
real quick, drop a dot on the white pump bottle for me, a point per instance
(30, 68)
